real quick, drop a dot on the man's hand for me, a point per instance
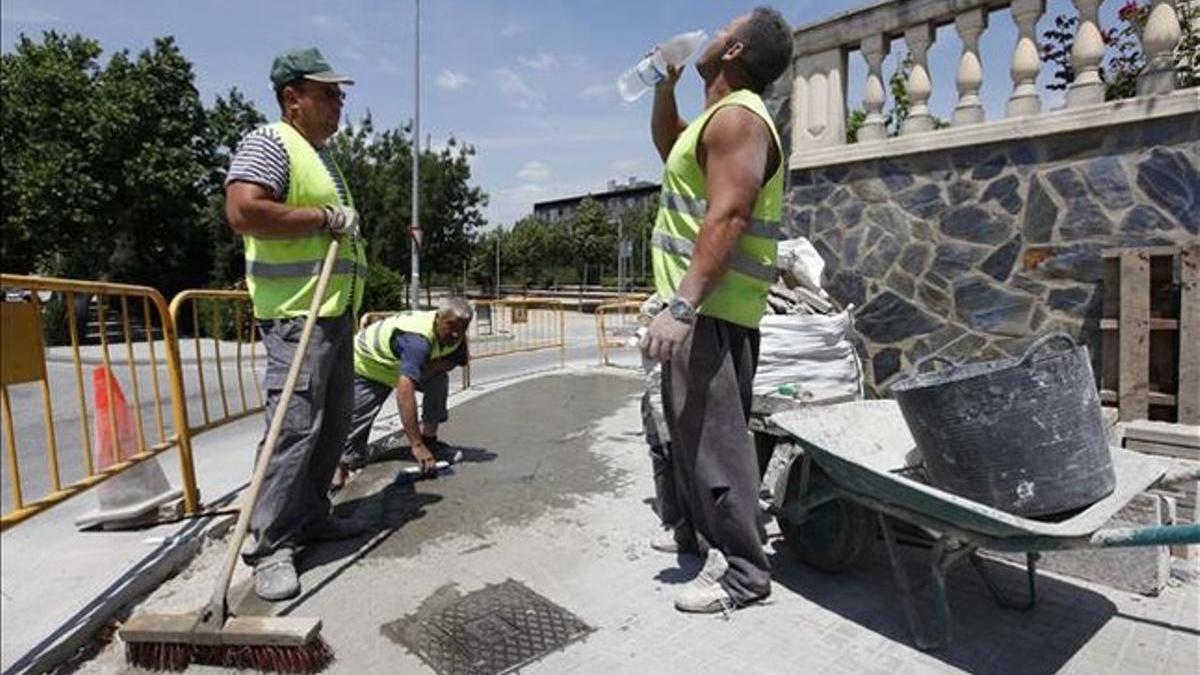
(672, 78)
(341, 220)
(664, 338)
(425, 458)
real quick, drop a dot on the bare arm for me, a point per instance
(406, 402)
(251, 210)
(665, 122)
(734, 152)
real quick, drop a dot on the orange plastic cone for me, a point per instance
(133, 497)
(110, 447)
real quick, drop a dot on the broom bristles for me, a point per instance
(311, 657)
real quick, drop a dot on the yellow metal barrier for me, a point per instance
(24, 357)
(508, 326)
(616, 326)
(218, 317)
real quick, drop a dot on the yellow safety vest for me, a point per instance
(281, 272)
(373, 355)
(741, 295)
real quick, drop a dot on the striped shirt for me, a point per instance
(261, 158)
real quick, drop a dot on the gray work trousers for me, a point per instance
(295, 490)
(658, 437)
(369, 397)
(706, 392)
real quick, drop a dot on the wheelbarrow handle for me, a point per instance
(1147, 536)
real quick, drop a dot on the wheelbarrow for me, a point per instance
(859, 473)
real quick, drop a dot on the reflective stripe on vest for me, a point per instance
(698, 208)
(266, 270)
(740, 296)
(739, 262)
(281, 272)
(373, 355)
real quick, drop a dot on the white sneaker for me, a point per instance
(704, 594)
(664, 541)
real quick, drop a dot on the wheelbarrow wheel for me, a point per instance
(834, 536)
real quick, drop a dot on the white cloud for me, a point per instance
(599, 92)
(451, 81)
(534, 171)
(518, 90)
(511, 28)
(539, 61)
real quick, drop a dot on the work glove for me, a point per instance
(341, 220)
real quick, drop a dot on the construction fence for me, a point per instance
(60, 406)
(128, 376)
(616, 328)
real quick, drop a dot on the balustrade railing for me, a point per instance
(821, 50)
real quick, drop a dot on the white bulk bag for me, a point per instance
(811, 352)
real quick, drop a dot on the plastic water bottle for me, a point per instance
(653, 69)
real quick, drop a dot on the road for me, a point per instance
(28, 410)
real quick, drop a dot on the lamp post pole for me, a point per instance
(415, 233)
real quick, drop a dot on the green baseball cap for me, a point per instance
(306, 63)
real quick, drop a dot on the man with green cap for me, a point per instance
(288, 199)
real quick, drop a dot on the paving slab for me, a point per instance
(554, 494)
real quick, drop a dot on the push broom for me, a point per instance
(214, 636)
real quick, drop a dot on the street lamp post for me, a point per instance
(415, 234)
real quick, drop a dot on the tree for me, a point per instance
(377, 165)
(52, 190)
(105, 169)
(151, 131)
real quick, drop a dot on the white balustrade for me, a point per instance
(874, 49)
(1086, 54)
(918, 38)
(1026, 62)
(970, 25)
(1159, 38)
(820, 55)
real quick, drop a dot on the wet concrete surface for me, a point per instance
(532, 443)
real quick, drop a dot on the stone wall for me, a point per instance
(967, 253)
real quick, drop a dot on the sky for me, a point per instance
(531, 85)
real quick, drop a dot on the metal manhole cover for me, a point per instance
(487, 632)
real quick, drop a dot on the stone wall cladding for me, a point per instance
(967, 253)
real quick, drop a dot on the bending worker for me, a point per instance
(408, 352)
(287, 198)
(714, 259)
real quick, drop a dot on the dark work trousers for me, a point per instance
(369, 397)
(706, 392)
(295, 490)
(658, 437)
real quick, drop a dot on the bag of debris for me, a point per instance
(800, 264)
(808, 357)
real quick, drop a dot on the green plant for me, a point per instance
(386, 290)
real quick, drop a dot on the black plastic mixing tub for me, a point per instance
(1022, 435)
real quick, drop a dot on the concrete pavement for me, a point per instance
(553, 493)
(59, 586)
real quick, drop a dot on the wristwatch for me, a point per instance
(681, 310)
